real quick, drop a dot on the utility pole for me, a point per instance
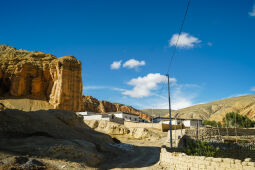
(152, 115)
(170, 113)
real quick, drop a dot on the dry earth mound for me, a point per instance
(115, 129)
(55, 134)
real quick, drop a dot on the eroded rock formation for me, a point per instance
(42, 76)
(93, 105)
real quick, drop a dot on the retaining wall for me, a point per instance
(178, 161)
(160, 126)
(205, 133)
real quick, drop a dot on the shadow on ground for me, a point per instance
(137, 157)
(62, 135)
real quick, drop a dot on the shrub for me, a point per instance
(200, 148)
(241, 121)
(212, 123)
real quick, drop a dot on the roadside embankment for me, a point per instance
(115, 129)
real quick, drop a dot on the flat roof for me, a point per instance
(122, 113)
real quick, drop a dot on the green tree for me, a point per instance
(212, 123)
(233, 119)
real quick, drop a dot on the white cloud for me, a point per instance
(181, 99)
(185, 40)
(116, 65)
(253, 88)
(252, 13)
(182, 96)
(132, 63)
(144, 85)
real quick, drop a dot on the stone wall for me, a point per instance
(160, 126)
(207, 133)
(143, 125)
(179, 161)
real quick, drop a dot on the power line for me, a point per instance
(175, 47)
(171, 60)
(179, 34)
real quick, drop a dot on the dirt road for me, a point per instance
(137, 157)
(139, 154)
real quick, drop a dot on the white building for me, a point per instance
(192, 122)
(127, 116)
(86, 113)
(97, 117)
(160, 119)
(185, 122)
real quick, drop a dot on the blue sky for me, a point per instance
(214, 60)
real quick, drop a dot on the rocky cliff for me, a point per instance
(93, 105)
(41, 76)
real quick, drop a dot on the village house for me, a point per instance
(178, 121)
(118, 117)
(192, 122)
(128, 116)
(94, 116)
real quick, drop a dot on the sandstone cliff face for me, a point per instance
(93, 105)
(66, 92)
(37, 75)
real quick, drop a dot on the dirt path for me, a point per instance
(140, 154)
(138, 157)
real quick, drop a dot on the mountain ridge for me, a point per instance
(216, 110)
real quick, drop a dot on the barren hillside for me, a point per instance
(244, 105)
(155, 112)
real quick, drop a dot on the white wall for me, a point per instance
(95, 117)
(119, 115)
(186, 123)
(86, 113)
(128, 117)
(189, 123)
(133, 118)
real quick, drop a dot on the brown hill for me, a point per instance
(55, 134)
(156, 112)
(42, 76)
(244, 105)
(93, 105)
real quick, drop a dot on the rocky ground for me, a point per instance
(122, 132)
(58, 139)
